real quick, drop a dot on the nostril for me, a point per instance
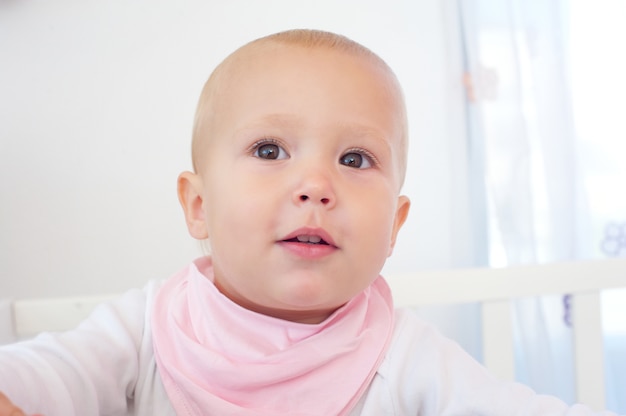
(304, 198)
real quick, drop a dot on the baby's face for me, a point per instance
(299, 183)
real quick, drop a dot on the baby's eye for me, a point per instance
(356, 160)
(270, 151)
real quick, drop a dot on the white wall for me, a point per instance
(96, 106)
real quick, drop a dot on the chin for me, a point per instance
(313, 299)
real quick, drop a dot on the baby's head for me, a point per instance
(299, 151)
(244, 59)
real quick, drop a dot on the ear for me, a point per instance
(190, 198)
(402, 211)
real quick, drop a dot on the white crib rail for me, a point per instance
(495, 288)
(492, 288)
(32, 316)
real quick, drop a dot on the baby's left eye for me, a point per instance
(356, 160)
(269, 150)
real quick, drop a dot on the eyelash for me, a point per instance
(266, 140)
(366, 153)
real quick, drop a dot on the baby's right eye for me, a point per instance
(269, 150)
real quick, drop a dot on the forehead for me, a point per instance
(275, 79)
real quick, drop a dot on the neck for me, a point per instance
(307, 316)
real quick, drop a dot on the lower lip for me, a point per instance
(308, 251)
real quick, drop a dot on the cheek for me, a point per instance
(238, 207)
(374, 225)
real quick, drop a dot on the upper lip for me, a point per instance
(311, 232)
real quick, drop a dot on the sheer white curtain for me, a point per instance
(553, 152)
(519, 91)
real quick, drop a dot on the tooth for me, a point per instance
(314, 239)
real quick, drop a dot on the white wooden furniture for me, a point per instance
(492, 288)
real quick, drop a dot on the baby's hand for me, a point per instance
(7, 408)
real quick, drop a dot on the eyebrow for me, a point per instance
(357, 130)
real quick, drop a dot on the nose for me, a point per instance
(315, 188)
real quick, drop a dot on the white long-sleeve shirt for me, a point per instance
(107, 367)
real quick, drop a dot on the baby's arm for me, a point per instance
(90, 370)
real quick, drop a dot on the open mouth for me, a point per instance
(307, 239)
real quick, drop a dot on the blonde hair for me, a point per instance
(304, 38)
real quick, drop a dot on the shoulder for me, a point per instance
(418, 342)
(406, 380)
(422, 369)
(126, 315)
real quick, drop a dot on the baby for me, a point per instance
(299, 154)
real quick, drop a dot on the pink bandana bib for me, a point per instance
(217, 358)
